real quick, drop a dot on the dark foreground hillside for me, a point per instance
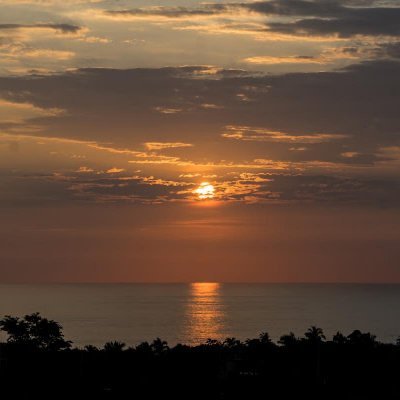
(37, 363)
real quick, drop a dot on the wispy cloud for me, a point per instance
(59, 28)
(256, 134)
(301, 17)
(165, 145)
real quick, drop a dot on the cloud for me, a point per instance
(165, 145)
(257, 134)
(259, 117)
(22, 47)
(100, 187)
(16, 112)
(258, 181)
(382, 22)
(50, 2)
(137, 92)
(166, 12)
(339, 190)
(21, 50)
(270, 60)
(303, 17)
(327, 56)
(337, 17)
(59, 28)
(87, 185)
(85, 170)
(166, 110)
(115, 170)
(386, 50)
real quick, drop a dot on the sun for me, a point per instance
(205, 191)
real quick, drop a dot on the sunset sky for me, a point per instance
(182, 140)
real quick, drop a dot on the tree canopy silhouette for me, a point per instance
(356, 366)
(315, 335)
(34, 331)
(115, 346)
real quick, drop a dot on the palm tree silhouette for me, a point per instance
(144, 348)
(114, 346)
(315, 335)
(339, 338)
(159, 346)
(264, 338)
(288, 340)
(90, 348)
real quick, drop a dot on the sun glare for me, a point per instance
(205, 191)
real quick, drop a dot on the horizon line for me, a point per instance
(201, 282)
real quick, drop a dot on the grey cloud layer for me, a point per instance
(307, 122)
(330, 17)
(128, 107)
(62, 28)
(98, 187)
(370, 22)
(169, 12)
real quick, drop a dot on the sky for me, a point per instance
(182, 141)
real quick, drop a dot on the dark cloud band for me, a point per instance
(63, 28)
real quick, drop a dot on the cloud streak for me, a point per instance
(306, 17)
(59, 28)
(254, 134)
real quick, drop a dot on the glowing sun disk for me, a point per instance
(205, 191)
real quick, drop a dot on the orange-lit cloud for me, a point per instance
(115, 170)
(219, 134)
(165, 145)
(16, 112)
(256, 134)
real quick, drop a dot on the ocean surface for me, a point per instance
(191, 313)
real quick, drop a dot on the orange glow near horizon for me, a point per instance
(205, 191)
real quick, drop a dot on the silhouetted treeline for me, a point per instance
(37, 362)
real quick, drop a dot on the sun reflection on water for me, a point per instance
(205, 312)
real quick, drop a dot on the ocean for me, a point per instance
(192, 313)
